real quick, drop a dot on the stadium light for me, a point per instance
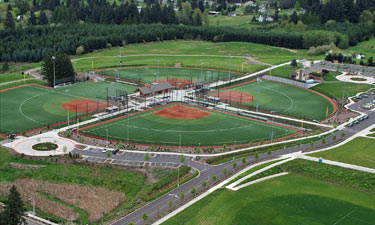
(230, 62)
(54, 71)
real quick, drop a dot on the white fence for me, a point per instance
(287, 81)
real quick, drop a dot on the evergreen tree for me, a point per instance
(5, 67)
(9, 22)
(201, 5)
(63, 68)
(14, 211)
(43, 18)
(294, 18)
(32, 19)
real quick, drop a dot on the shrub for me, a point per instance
(80, 50)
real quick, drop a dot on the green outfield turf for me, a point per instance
(31, 107)
(215, 129)
(149, 75)
(359, 151)
(290, 199)
(286, 99)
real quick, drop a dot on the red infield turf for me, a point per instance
(182, 112)
(84, 106)
(234, 96)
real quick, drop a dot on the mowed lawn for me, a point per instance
(149, 75)
(286, 99)
(341, 89)
(201, 49)
(290, 199)
(360, 152)
(215, 129)
(31, 107)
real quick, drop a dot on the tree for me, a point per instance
(370, 61)
(334, 138)
(214, 178)
(294, 18)
(193, 191)
(43, 18)
(32, 19)
(225, 171)
(147, 156)
(234, 165)
(243, 160)
(182, 196)
(324, 141)
(170, 203)
(197, 17)
(204, 183)
(108, 154)
(9, 22)
(256, 155)
(294, 63)
(145, 216)
(366, 17)
(182, 158)
(5, 67)
(64, 71)
(14, 210)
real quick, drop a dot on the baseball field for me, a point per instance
(280, 98)
(185, 125)
(149, 75)
(29, 107)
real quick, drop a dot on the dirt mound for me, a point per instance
(84, 106)
(181, 112)
(234, 96)
(178, 83)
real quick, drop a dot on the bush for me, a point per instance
(165, 181)
(321, 49)
(80, 50)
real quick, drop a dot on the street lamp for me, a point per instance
(201, 77)
(33, 204)
(54, 71)
(230, 62)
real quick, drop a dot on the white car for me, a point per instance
(104, 150)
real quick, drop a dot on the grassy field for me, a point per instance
(32, 107)
(290, 199)
(331, 76)
(302, 197)
(284, 71)
(150, 128)
(149, 75)
(359, 152)
(229, 21)
(286, 99)
(367, 48)
(340, 89)
(200, 49)
(7, 77)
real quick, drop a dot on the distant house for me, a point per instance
(360, 56)
(155, 89)
(264, 18)
(214, 13)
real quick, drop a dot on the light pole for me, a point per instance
(54, 71)
(201, 77)
(33, 204)
(230, 62)
(127, 139)
(179, 142)
(106, 131)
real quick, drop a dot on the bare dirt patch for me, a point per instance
(234, 96)
(84, 106)
(182, 112)
(178, 83)
(94, 200)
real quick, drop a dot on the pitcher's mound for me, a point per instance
(181, 112)
(84, 106)
(234, 96)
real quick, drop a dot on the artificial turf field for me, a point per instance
(290, 199)
(359, 151)
(149, 75)
(31, 107)
(216, 129)
(285, 99)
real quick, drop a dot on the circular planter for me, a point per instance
(45, 146)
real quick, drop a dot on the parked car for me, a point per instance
(365, 117)
(350, 124)
(104, 150)
(114, 152)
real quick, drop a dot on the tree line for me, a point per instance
(30, 44)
